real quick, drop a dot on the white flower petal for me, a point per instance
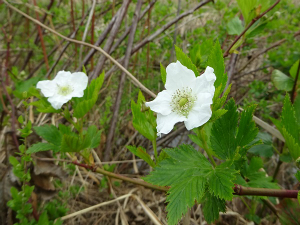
(161, 104)
(79, 82)
(198, 117)
(205, 82)
(57, 101)
(47, 87)
(166, 123)
(63, 78)
(178, 76)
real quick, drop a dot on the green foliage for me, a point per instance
(264, 149)
(235, 26)
(63, 139)
(226, 139)
(188, 173)
(216, 61)
(289, 131)
(185, 60)
(85, 104)
(212, 205)
(163, 73)
(199, 53)
(143, 121)
(282, 81)
(141, 153)
(256, 176)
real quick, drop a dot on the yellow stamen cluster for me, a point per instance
(183, 101)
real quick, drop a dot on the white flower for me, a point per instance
(186, 98)
(63, 87)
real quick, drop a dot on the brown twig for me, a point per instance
(111, 38)
(247, 28)
(241, 190)
(134, 80)
(41, 38)
(114, 118)
(276, 44)
(126, 32)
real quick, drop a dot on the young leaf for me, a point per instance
(186, 171)
(235, 26)
(141, 153)
(294, 69)
(163, 73)
(216, 61)
(84, 105)
(288, 119)
(265, 149)
(247, 130)
(185, 60)
(143, 122)
(50, 133)
(223, 133)
(282, 81)
(42, 147)
(212, 205)
(221, 182)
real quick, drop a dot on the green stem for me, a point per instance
(207, 150)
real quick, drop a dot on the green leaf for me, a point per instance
(186, 171)
(235, 26)
(219, 102)
(39, 147)
(221, 182)
(85, 104)
(247, 8)
(141, 153)
(196, 140)
(143, 122)
(84, 107)
(297, 175)
(216, 61)
(294, 68)
(24, 86)
(163, 73)
(13, 161)
(265, 149)
(292, 144)
(50, 133)
(185, 60)
(71, 143)
(256, 176)
(223, 133)
(282, 81)
(288, 119)
(94, 135)
(297, 109)
(247, 129)
(44, 106)
(212, 205)
(43, 219)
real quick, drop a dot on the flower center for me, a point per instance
(64, 90)
(183, 101)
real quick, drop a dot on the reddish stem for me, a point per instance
(41, 38)
(247, 28)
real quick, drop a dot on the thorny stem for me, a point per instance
(247, 28)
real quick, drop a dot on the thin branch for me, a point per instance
(111, 38)
(87, 28)
(114, 118)
(276, 44)
(247, 28)
(41, 39)
(134, 80)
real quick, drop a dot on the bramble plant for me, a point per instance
(224, 154)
